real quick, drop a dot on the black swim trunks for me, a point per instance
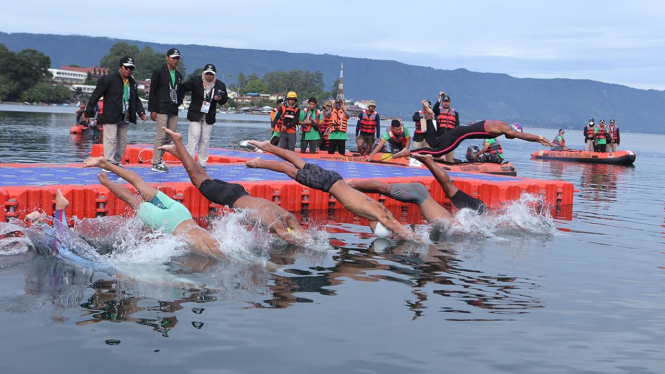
(316, 177)
(463, 200)
(220, 192)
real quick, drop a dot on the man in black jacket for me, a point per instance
(166, 95)
(122, 103)
(206, 93)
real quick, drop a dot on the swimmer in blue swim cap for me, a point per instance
(381, 220)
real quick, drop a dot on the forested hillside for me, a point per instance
(398, 88)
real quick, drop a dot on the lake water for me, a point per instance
(515, 292)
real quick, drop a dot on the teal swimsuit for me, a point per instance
(163, 213)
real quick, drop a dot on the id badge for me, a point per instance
(423, 125)
(124, 106)
(174, 96)
(205, 107)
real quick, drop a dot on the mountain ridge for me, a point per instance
(398, 87)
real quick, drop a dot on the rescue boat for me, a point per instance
(623, 157)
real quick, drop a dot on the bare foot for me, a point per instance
(103, 178)
(170, 148)
(94, 161)
(423, 158)
(253, 163)
(402, 153)
(174, 135)
(260, 145)
(61, 201)
(33, 216)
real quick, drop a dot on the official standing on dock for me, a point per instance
(166, 94)
(122, 103)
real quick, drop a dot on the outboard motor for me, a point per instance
(470, 151)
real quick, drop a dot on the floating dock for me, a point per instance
(28, 187)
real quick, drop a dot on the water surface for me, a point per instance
(515, 292)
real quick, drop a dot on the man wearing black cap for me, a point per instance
(309, 121)
(589, 136)
(206, 93)
(166, 95)
(614, 138)
(122, 103)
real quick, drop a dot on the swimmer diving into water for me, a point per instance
(381, 220)
(262, 212)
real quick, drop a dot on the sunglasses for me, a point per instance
(128, 67)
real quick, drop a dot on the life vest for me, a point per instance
(278, 125)
(614, 133)
(398, 140)
(368, 122)
(288, 114)
(559, 143)
(338, 120)
(446, 119)
(495, 147)
(590, 132)
(100, 106)
(601, 134)
(307, 128)
(323, 128)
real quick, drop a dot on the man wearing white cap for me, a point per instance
(207, 91)
(166, 94)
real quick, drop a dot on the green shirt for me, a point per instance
(312, 134)
(337, 135)
(600, 140)
(386, 135)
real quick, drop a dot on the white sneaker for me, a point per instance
(160, 167)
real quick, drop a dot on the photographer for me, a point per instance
(207, 91)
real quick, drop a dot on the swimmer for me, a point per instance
(458, 197)
(415, 193)
(262, 212)
(156, 209)
(479, 130)
(61, 203)
(381, 220)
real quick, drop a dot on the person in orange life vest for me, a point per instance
(397, 136)
(447, 118)
(325, 127)
(275, 128)
(166, 94)
(368, 128)
(339, 118)
(600, 137)
(121, 105)
(99, 111)
(491, 152)
(559, 143)
(421, 118)
(309, 121)
(80, 116)
(289, 115)
(589, 135)
(614, 138)
(207, 92)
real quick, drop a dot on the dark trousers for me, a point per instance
(312, 145)
(336, 144)
(600, 147)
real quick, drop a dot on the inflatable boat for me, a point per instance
(626, 157)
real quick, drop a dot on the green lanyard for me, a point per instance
(172, 77)
(125, 96)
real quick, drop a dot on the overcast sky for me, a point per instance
(611, 41)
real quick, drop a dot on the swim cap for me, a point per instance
(516, 127)
(381, 231)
